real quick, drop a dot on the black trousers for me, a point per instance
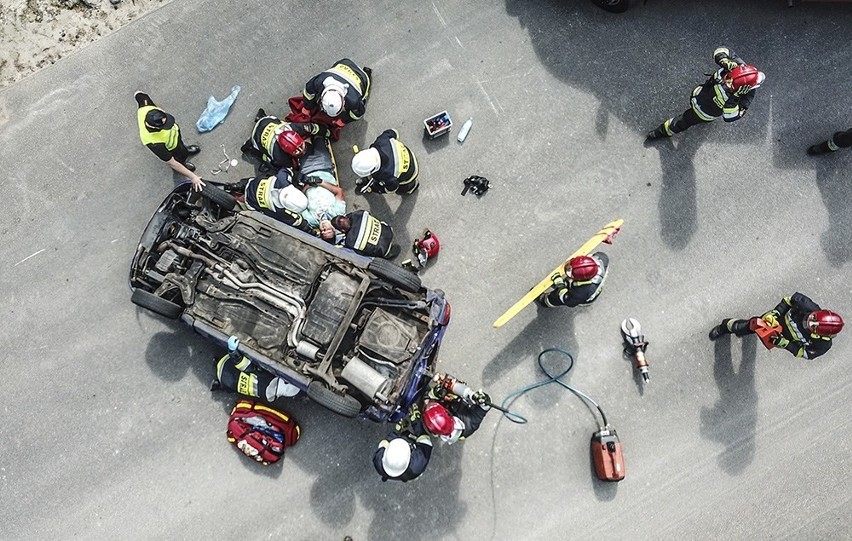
(180, 153)
(842, 139)
(684, 121)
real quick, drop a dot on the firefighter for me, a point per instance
(366, 234)
(452, 410)
(276, 142)
(387, 166)
(404, 454)
(341, 91)
(805, 329)
(585, 280)
(159, 132)
(277, 197)
(728, 93)
(237, 373)
(841, 139)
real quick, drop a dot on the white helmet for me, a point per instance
(366, 162)
(397, 457)
(458, 428)
(291, 198)
(332, 97)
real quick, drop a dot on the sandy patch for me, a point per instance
(37, 33)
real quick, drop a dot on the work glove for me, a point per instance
(414, 414)
(779, 341)
(363, 185)
(558, 281)
(742, 91)
(233, 344)
(728, 63)
(771, 318)
(482, 398)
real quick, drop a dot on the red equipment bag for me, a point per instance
(261, 432)
(606, 454)
(300, 113)
(764, 331)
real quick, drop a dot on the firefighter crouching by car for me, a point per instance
(404, 454)
(236, 372)
(452, 410)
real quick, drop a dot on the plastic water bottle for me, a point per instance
(464, 130)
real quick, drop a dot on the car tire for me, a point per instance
(613, 6)
(344, 405)
(219, 196)
(156, 304)
(396, 275)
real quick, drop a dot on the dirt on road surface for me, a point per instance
(37, 33)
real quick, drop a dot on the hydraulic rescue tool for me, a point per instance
(635, 345)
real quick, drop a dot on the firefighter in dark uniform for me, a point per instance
(236, 372)
(387, 166)
(841, 139)
(159, 132)
(728, 93)
(276, 197)
(452, 410)
(340, 91)
(277, 142)
(404, 454)
(366, 234)
(586, 276)
(805, 328)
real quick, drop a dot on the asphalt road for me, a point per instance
(109, 431)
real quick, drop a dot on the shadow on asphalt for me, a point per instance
(833, 181)
(733, 419)
(552, 327)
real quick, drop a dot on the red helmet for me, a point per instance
(291, 142)
(429, 244)
(743, 75)
(583, 267)
(437, 419)
(824, 322)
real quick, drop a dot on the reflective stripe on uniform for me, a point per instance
(695, 107)
(345, 72)
(268, 136)
(369, 232)
(832, 146)
(263, 194)
(401, 158)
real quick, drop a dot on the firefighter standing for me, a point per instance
(804, 329)
(276, 142)
(404, 454)
(387, 166)
(341, 91)
(161, 134)
(728, 93)
(841, 139)
(585, 280)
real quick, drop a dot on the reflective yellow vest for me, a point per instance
(168, 137)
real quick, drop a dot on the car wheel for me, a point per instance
(218, 196)
(156, 304)
(341, 404)
(396, 275)
(614, 6)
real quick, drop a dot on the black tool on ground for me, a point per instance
(635, 345)
(476, 184)
(607, 455)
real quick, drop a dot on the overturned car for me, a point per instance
(358, 335)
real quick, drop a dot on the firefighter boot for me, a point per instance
(720, 329)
